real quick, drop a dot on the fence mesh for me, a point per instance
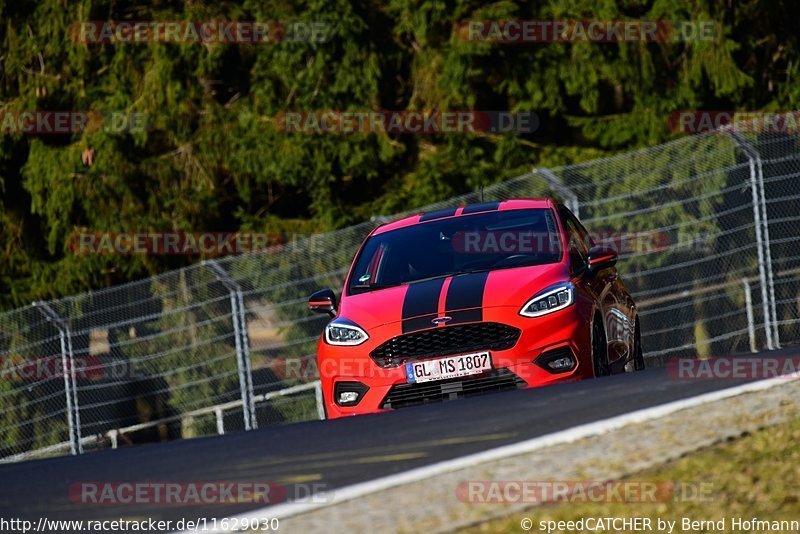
(229, 344)
(32, 392)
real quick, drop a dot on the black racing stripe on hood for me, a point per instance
(421, 299)
(464, 293)
(485, 206)
(422, 322)
(474, 315)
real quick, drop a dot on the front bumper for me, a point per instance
(512, 368)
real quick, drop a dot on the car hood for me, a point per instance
(428, 299)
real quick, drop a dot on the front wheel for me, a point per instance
(638, 354)
(599, 349)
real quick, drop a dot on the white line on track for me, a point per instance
(332, 498)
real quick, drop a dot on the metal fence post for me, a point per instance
(319, 399)
(241, 342)
(764, 265)
(748, 303)
(219, 416)
(68, 370)
(767, 251)
(555, 183)
(245, 344)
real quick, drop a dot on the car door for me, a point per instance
(603, 285)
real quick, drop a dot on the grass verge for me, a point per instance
(755, 476)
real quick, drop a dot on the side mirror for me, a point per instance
(323, 301)
(601, 257)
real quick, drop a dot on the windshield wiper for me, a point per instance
(489, 269)
(472, 271)
(427, 278)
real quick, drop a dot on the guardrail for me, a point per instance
(202, 336)
(746, 282)
(113, 436)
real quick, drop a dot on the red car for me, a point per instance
(462, 301)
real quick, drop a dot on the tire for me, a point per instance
(599, 348)
(638, 353)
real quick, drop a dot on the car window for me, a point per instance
(578, 240)
(468, 243)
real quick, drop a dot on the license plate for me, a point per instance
(449, 367)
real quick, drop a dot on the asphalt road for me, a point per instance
(333, 454)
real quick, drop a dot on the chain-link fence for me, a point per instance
(706, 227)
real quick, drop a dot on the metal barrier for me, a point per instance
(114, 435)
(229, 345)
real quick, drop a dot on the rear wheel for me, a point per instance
(638, 354)
(599, 348)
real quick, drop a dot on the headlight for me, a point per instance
(344, 333)
(551, 299)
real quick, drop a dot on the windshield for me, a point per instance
(465, 244)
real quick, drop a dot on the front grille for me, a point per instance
(403, 395)
(444, 341)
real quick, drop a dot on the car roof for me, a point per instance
(503, 205)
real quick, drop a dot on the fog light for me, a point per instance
(346, 397)
(560, 360)
(561, 364)
(349, 393)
